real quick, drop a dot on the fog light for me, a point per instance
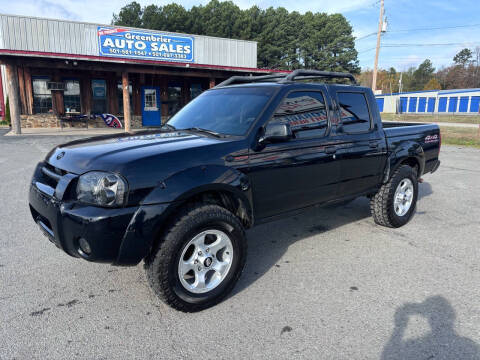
(84, 246)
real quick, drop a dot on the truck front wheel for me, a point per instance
(394, 204)
(199, 259)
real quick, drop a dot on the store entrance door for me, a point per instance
(151, 109)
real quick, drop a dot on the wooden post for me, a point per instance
(21, 88)
(86, 94)
(27, 77)
(136, 98)
(212, 83)
(13, 97)
(379, 35)
(112, 94)
(164, 99)
(186, 91)
(57, 97)
(3, 109)
(126, 101)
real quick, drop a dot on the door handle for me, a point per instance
(373, 144)
(330, 150)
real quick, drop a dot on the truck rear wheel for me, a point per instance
(199, 259)
(394, 204)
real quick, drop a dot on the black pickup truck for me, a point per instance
(248, 151)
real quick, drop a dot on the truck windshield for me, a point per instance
(225, 111)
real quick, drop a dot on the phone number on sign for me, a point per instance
(147, 53)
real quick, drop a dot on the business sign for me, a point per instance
(124, 43)
(99, 88)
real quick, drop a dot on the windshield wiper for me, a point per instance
(168, 126)
(211, 132)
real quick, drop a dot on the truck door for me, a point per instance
(301, 171)
(361, 146)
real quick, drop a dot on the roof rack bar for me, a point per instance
(298, 74)
(305, 74)
(241, 79)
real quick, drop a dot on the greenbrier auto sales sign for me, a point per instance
(125, 43)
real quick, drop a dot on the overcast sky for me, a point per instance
(362, 14)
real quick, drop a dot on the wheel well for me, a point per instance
(413, 163)
(225, 199)
(229, 201)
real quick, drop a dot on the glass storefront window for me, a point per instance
(42, 97)
(99, 92)
(175, 102)
(120, 97)
(71, 96)
(195, 90)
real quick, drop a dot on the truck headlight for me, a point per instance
(102, 189)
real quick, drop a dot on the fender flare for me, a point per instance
(142, 233)
(208, 178)
(407, 150)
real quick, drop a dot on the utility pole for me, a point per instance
(379, 34)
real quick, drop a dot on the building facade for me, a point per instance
(56, 69)
(461, 102)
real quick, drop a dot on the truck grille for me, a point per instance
(52, 175)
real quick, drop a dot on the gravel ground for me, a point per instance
(327, 284)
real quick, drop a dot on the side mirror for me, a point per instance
(276, 132)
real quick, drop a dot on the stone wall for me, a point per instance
(52, 121)
(39, 121)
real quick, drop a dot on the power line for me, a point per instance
(366, 36)
(364, 51)
(427, 44)
(420, 29)
(435, 28)
(421, 45)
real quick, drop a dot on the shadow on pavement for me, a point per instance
(424, 190)
(268, 243)
(442, 342)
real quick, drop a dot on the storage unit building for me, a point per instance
(456, 101)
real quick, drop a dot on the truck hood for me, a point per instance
(127, 153)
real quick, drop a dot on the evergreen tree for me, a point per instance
(286, 40)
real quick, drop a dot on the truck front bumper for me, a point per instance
(120, 236)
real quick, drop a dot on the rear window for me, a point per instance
(354, 114)
(306, 113)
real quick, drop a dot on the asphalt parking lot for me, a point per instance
(327, 284)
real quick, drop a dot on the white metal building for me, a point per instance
(67, 67)
(455, 101)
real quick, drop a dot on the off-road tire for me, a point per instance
(162, 266)
(382, 203)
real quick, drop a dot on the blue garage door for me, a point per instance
(474, 104)
(403, 104)
(422, 103)
(380, 102)
(463, 106)
(412, 105)
(431, 105)
(452, 105)
(442, 104)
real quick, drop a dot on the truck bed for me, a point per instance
(426, 135)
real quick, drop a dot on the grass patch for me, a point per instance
(466, 119)
(461, 136)
(4, 123)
